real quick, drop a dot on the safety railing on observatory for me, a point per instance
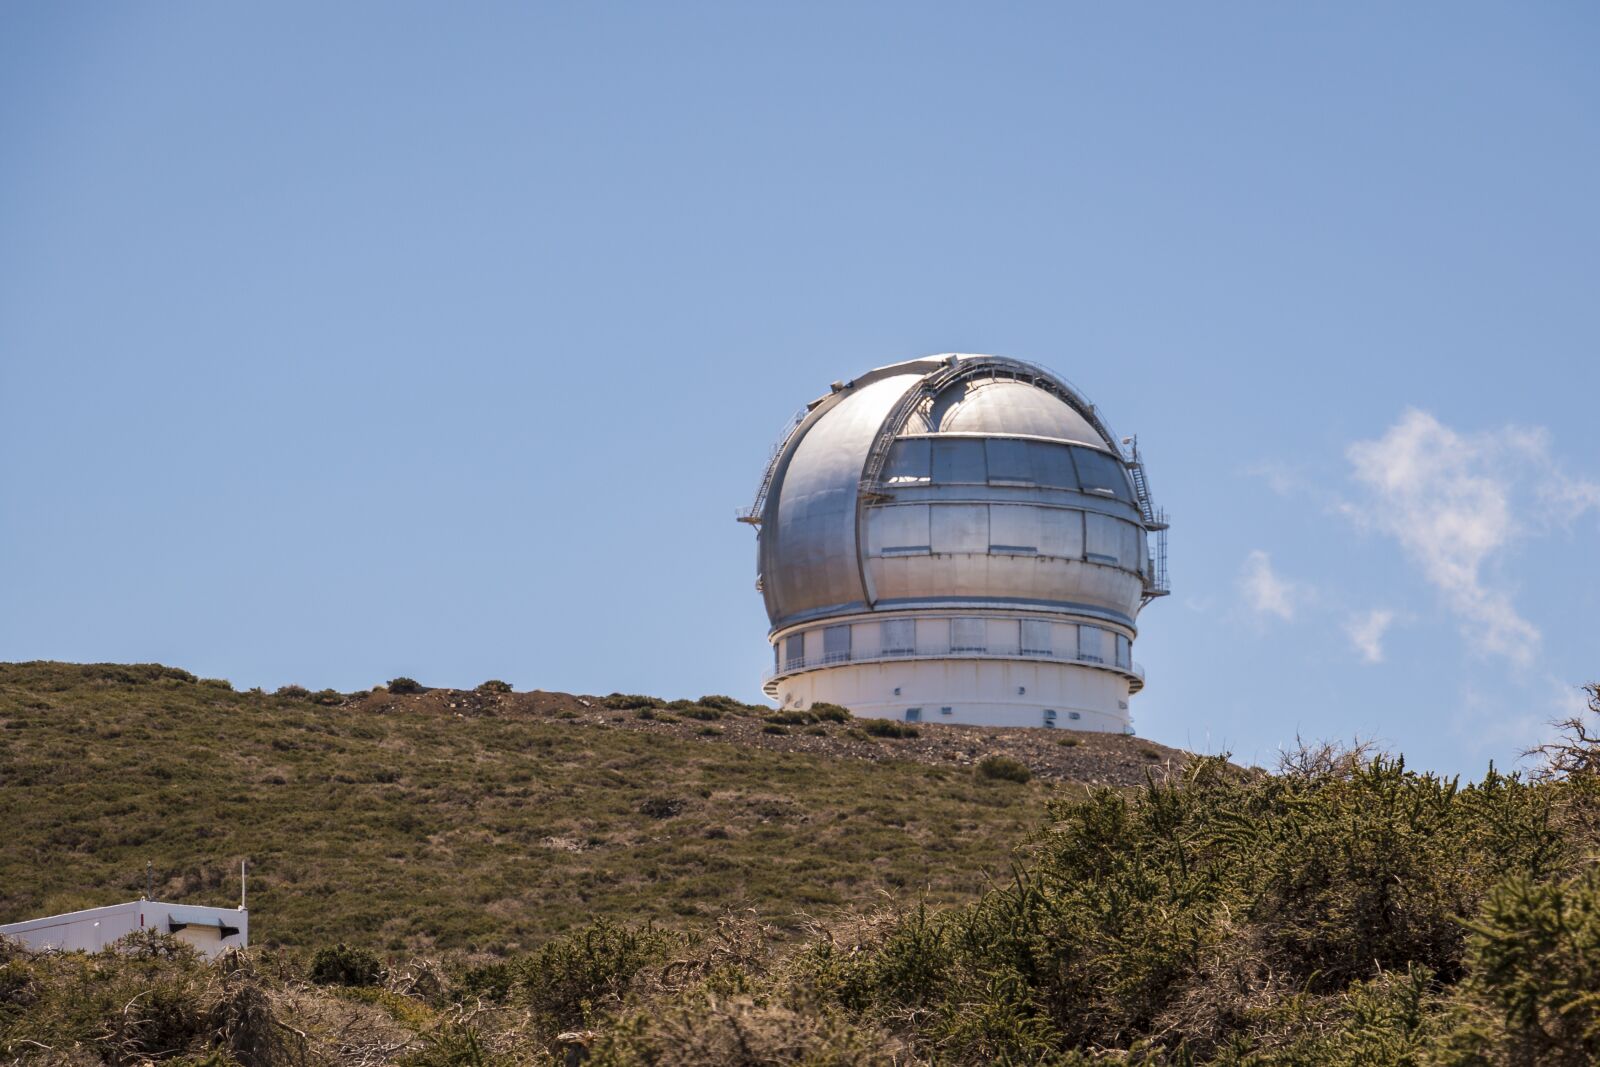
(797, 664)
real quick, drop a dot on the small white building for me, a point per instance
(212, 931)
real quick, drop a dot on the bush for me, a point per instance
(1236, 911)
(575, 977)
(660, 807)
(624, 701)
(1533, 995)
(494, 685)
(831, 712)
(346, 966)
(704, 714)
(293, 692)
(404, 686)
(328, 698)
(721, 703)
(1003, 768)
(774, 728)
(790, 718)
(889, 728)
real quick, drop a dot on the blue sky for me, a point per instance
(345, 341)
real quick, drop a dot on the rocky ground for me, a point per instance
(1051, 754)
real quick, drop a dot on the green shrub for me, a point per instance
(1533, 989)
(494, 685)
(404, 686)
(790, 718)
(1068, 742)
(328, 698)
(624, 701)
(343, 965)
(1003, 768)
(889, 728)
(830, 712)
(1235, 911)
(660, 807)
(575, 977)
(452, 1045)
(704, 714)
(774, 728)
(293, 692)
(722, 703)
(491, 981)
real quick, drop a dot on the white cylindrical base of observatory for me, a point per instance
(981, 692)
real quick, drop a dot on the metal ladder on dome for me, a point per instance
(1155, 521)
(753, 513)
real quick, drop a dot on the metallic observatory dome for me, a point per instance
(957, 537)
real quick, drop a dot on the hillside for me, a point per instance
(1344, 912)
(820, 901)
(489, 821)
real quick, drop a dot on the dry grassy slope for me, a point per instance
(453, 819)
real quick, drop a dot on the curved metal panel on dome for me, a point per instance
(812, 523)
(1007, 406)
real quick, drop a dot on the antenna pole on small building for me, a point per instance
(241, 884)
(149, 881)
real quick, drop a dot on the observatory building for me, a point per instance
(957, 539)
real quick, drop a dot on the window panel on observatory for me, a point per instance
(899, 636)
(900, 530)
(959, 528)
(1052, 465)
(959, 461)
(1036, 637)
(1013, 528)
(794, 651)
(1103, 538)
(1128, 544)
(969, 635)
(1061, 533)
(836, 644)
(1102, 474)
(1124, 652)
(908, 462)
(1009, 462)
(1091, 644)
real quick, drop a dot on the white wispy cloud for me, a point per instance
(1366, 631)
(1454, 502)
(1264, 590)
